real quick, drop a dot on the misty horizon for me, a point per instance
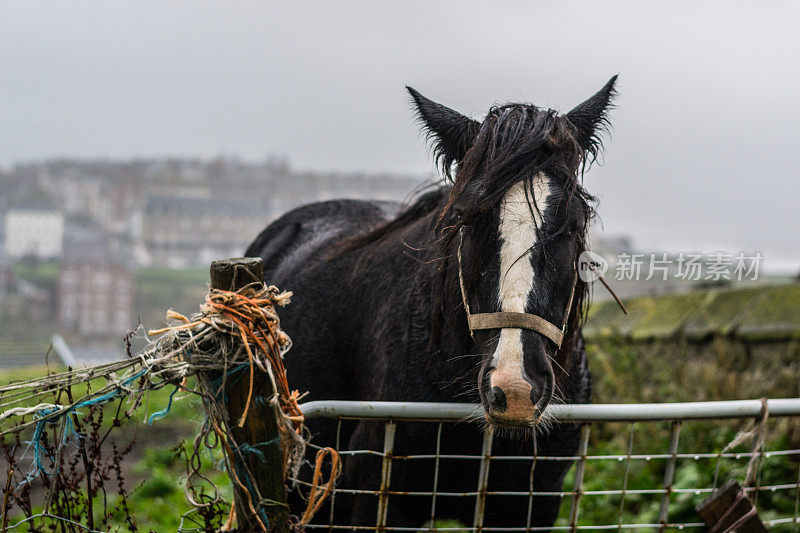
(701, 155)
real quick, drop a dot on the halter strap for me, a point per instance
(509, 319)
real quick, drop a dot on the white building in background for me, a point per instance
(34, 232)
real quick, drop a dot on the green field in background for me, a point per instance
(26, 328)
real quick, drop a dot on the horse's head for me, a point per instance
(518, 217)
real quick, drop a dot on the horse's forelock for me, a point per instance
(517, 141)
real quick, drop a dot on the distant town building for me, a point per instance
(34, 232)
(96, 285)
(95, 299)
(195, 225)
(190, 231)
(181, 212)
(6, 275)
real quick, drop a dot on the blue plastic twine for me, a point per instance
(162, 413)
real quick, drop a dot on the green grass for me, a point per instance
(187, 276)
(159, 289)
(21, 374)
(155, 476)
(695, 437)
(154, 472)
(774, 316)
(38, 272)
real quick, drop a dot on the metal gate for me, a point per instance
(648, 439)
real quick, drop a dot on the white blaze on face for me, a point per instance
(519, 220)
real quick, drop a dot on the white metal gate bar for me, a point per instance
(531, 478)
(393, 412)
(436, 473)
(625, 477)
(607, 412)
(386, 474)
(483, 478)
(583, 449)
(669, 474)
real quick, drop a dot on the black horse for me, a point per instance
(379, 313)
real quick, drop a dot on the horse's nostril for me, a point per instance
(497, 399)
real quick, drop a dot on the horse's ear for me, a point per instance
(591, 117)
(452, 133)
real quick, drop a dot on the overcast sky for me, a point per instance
(704, 155)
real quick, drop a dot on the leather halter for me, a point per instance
(508, 319)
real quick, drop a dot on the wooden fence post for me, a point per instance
(263, 461)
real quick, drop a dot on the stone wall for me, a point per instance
(707, 345)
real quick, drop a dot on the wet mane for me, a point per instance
(517, 140)
(427, 201)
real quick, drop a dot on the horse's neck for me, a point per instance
(437, 297)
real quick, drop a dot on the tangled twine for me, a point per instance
(249, 315)
(234, 333)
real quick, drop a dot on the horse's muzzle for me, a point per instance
(510, 396)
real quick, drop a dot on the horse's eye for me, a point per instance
(458, 216)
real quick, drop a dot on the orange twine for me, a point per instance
(250, 318)
(315, 498)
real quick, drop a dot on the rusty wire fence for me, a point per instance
(639, 467)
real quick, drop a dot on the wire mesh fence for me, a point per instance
(639, 467)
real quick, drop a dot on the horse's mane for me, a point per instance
(425, 202)
(521, 140)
